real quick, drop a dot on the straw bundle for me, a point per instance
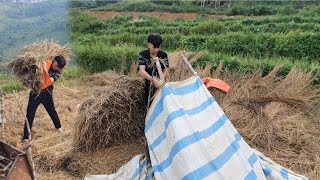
(175, 58)
(279, 117)
(28, 67)
(178, 70)
(113, 115)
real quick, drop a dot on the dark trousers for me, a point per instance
(35, 99)
(146, 92)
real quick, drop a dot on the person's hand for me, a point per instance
(56, 76)
(51, 79)
(156, 82)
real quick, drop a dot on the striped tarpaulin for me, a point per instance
(190, 137)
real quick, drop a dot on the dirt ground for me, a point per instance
(44, 134)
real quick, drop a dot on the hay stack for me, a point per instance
(28, 67)
(107, 78)
(279, 117)
(113, 115)
(104, 161)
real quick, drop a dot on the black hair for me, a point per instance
(61, 61)
(155, 39)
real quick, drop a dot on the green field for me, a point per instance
(22, 24)
(243, 35)
(281, 38)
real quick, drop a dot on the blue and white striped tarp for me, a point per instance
(190, 137)
(274, 171)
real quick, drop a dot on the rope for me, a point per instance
(153, 65)
(162, 61)
(150, 88)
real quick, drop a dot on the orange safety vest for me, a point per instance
(46, 78)
(216, 83)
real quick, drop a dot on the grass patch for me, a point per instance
(9, 83)
(72, 76)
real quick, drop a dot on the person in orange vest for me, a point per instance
(51, 73)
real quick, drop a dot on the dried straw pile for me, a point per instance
(107, 78)
(178, 70)
(49, 147)
(61, 175)
(28, 67)
(113, 115)
(279, 117)
(50, 153)
(104, 161)
(175, 58)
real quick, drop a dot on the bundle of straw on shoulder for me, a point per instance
(28, 66)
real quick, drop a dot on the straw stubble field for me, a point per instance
(103, 121)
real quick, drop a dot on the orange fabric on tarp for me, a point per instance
(216, 83)
(46, 78)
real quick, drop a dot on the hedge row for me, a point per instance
(297, 44)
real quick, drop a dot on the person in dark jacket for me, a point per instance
(148, 69)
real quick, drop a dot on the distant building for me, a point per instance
(28, 1)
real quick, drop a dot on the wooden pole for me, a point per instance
(188, 64)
